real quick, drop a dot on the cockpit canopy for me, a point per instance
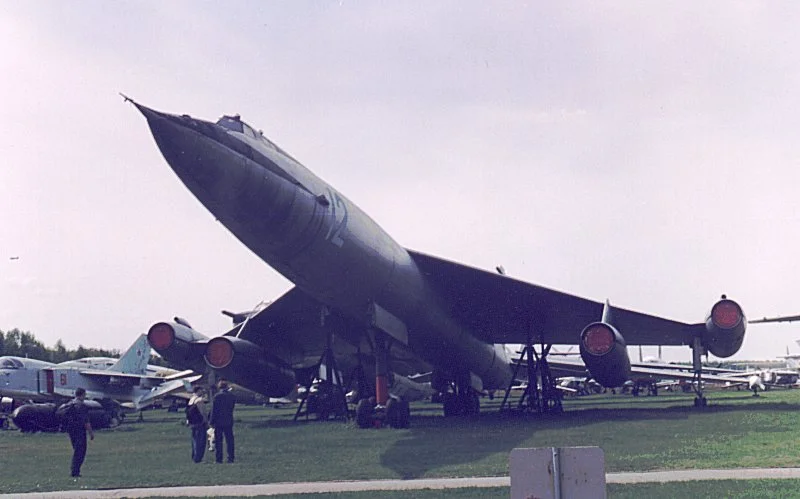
(235, 124)
(10, 363)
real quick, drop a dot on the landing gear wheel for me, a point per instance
(451, 404)
(365, 411)
(471, 404)
(392, 410)
(405, 415)
(700, 402)
(398, 413)
(330, 401)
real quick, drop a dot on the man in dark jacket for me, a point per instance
(200, 425)
(222, 420)
(77, 425)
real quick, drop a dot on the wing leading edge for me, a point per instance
(501, 309)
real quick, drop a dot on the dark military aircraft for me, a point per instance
(362, 296)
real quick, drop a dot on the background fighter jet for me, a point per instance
(124, 380)
(360, 295)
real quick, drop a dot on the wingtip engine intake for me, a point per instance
(725, 328)
(604, 352)
(178, 344)
(249, 365)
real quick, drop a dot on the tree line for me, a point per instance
(24, 344)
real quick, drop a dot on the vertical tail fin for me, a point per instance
(135, 359)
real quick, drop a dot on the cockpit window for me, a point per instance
(235, 124)
(8, 363)
(232, 123)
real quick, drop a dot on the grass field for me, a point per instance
(648, 433)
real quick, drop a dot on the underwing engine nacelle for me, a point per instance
(725, 327)
(604, 352)
(250, 366)
(178, 344)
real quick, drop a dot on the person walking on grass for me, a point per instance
(222, 420)
(76, 422)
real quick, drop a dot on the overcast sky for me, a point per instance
(642, 152)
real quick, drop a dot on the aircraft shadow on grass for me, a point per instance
(433, 442)
(471, 440)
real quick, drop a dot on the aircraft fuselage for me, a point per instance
(317, 238)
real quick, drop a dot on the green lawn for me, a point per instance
(648, 433)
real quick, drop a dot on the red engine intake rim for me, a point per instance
(219, 353)
(598, 339)
(726, 314)
(161, 336)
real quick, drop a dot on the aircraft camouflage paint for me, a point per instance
(356, 286)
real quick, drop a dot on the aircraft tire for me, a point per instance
(393, 412)
(398, 413)
(452, 405)
(472, 404)
(364, 412)
(324, 403)
(404, 414)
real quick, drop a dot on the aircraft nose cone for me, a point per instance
(146, 111)
(222, 178)
(188, 152)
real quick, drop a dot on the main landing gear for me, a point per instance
(461, 399)
(380, 410)
(395, 413)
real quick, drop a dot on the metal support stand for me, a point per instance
(541, 395)
(698, 350)
(330, 395)
(331, 399)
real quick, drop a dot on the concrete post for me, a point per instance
(558, 473)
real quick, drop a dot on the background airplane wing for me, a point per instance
(107, 375)
(788, 318)
(166, 388)
(501, 309)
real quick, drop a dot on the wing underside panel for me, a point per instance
(500, 309)
(296, 328)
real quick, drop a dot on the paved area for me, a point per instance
(431, 483)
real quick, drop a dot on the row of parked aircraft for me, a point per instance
(31, 389)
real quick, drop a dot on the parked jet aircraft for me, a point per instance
(792, 360)
(358, 291)
(126, 380)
